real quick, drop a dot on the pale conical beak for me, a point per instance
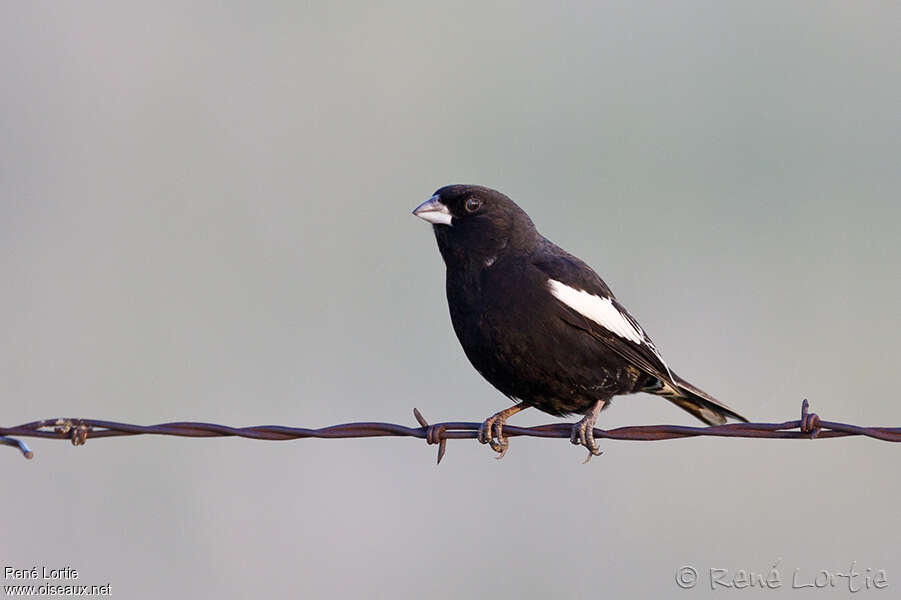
(433, 211)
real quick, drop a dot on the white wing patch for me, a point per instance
(600, 310)
(604, 313)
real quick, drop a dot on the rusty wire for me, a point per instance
(78, 431)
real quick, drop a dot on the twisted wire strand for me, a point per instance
(78, 431)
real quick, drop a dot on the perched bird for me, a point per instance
(539, 324)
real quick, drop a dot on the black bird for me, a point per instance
(539, 324)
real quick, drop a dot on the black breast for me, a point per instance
(510, 329)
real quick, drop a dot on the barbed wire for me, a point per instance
(78, 431)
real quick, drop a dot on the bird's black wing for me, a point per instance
(585, 302)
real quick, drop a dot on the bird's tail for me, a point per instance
(693, 400)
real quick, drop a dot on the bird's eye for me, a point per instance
(473, 204)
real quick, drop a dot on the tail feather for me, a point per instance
(694, 400)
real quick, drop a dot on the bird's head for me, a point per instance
(475, 222)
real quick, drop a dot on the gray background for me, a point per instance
(205, 214)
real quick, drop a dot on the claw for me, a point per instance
(583, 431)
(500, 446)
(484, 432)
(491, 431)
(502, 443)
(575, 438)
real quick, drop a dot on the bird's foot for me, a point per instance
(583, 432)
(492, 430)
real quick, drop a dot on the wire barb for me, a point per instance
(434, 434)
(74, 429)
(25, 450)
(810, 422)
(78, 431)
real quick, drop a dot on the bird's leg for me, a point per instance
(583, 431)
(492, 430)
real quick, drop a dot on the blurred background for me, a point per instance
(205, 215)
